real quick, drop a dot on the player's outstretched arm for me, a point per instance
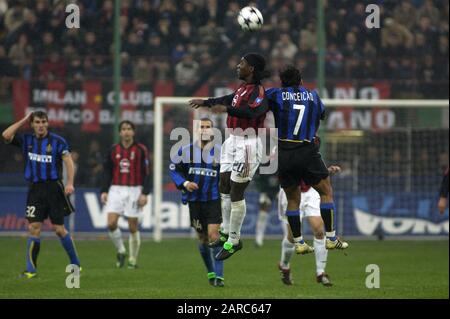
(9, 133)
(68, 162)
(223, 100)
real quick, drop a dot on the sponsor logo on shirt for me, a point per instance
(39, 158)
(203, 171)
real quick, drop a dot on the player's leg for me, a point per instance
(226, 164)
(264, 206)
(293, 196)
(247, 157)
(66, 241)
(33, 248)
(59, 207)
(114, 208)
(287, 250)
(36, 213)
(115, 234)
(320, 250)
(134, 241)
(327, 211)
(199, 224)
(213, 216)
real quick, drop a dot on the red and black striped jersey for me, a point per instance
(127, 167)
(246, 107)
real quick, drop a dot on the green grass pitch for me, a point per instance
(174, 269)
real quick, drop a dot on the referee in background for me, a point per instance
(47, 197)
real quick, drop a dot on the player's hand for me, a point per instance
(334, 169)
(142, 201)
(104, 198)
(191, 186)
(69, 189)
(196, 103)
(218, 109)
(442, 204)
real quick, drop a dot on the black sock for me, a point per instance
(293, 217)
(327, 213)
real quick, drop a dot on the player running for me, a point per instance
(44, 153)
(125, 188)
(242, 151)
(297, 114)
(197, 176)
(310, 209)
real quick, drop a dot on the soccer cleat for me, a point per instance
(121, 260)
(285, 275)
(132, 265)
(324, 280)
(303, 248)
(228, 250)
(219, 283)
(336, 244)
(28, 275)
(219, 241)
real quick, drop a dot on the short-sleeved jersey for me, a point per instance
(202, 170)
(43, 156)
(127, 167)
(297, 113)
(247, 99)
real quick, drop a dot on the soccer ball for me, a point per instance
(250, 19)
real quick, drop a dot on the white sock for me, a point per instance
(226, 212)
(261, 226)
(321, 255)
(287, 249)
(134, 244)
(331, 233)
(116, 237)
(238, 210)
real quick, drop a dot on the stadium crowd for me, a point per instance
(186, 40)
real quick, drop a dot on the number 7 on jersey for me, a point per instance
(300, 107)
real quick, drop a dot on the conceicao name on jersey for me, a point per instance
(203, 171)
(40, 158)
(299, 96)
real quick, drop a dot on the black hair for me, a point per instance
(38, 114)
(290, 76)
(258, 76)
(127, 122)
(258, 63)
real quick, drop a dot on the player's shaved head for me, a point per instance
(290, 76)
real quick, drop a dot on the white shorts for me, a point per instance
(241, 156)
(309, 204)
(123, 200)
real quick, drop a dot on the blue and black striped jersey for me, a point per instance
(297, 113)
(202, 170)
(43, 156)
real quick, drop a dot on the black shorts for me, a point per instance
(204, 213)
(301, 163)
(47, 199)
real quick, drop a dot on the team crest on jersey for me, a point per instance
(258, 100)
(124, 166)
(49, 148)
(132, 155)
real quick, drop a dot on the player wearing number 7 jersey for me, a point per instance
(297, 114)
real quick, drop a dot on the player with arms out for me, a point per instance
(242, 151)
(297, 114)
(125, 188)
(196, 174)
(310, 209)
(44, 153)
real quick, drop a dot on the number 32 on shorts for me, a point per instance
(30, 211)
